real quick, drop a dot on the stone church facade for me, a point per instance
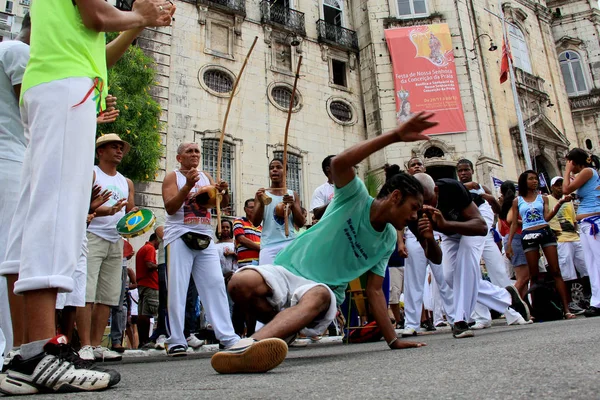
(346, 92)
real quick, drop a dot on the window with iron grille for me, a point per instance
(341, 111)
(294, 171)
(210, 149)
(282, 95)
(433, 152)
(218, 80)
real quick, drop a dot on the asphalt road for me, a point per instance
(553, 360)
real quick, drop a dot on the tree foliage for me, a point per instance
(139, 120)
(373, 184)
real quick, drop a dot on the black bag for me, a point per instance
(196, 241)
(547, 305)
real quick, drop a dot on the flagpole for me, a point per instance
(513, 85)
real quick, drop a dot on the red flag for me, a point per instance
(504, 63)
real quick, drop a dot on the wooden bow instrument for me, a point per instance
(222, 138)
(285, 143)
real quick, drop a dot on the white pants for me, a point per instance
(268, 254)
(205, 267)
(496, 268)
(76, 298)
(10, 180)
(570, 259)
(415, 271)
(47, 230)
(463, 275)
(437, 302)
(591, 249)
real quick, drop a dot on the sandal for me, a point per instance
(570, 316)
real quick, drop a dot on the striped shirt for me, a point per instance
(242, 226)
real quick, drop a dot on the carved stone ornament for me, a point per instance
(325, 53)
(352, 61)
(268, 34)
(202, 13)
(237, 24)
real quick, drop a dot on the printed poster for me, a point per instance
(425, 75)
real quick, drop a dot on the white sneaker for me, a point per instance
(160, 342)
(406, 332)
(481, 325)
(105, 354)
(87, 353)
(7, 359)
(520, 321)
(194, 342)
(250, 356)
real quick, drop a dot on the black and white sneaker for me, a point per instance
(461, 330)
(177, 350)
(517, 303)
(53, 371)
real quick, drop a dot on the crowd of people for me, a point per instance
(268, 276)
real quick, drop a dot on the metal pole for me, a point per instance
(513, 85)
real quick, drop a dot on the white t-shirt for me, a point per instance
(322, 196)
(228, 263)
(135, 298)
(14, 56)
(106, 227)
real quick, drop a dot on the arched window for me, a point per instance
(572, 71)
(433, 152)
(333, 12)
(518, 46)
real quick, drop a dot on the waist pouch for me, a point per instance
(196, 241)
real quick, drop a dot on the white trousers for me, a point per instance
(463, 275)
(205, 267)
(571, 259)
(437, 302)
(47, 230)
(591, 249)
(10, 179)
(268, 254)
(76, 298)
(496, 268)
(415, 271)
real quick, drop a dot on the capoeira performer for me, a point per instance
(322, 195)
(273, 238)
(457, 218)
(494, 262)
(61, 91)
(190, 250)
(356, 235)
(587, 185)
(419, 254)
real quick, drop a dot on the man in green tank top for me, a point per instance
(62, 91)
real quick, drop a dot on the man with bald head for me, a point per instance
(453, 213)
(189, 250)
(420, 253)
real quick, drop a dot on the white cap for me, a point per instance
(555, 179)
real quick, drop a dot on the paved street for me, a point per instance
(554, 360)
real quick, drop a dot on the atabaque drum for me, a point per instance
(136, 223)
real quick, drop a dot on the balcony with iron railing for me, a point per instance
(530, 83)
(282, 17)
(228, 6)
(337, 36)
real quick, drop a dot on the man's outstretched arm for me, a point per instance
(342, 165)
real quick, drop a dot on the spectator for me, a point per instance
(226, 248)
(247, 237)
(323, 195)
(146, 271)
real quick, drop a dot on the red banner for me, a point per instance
(425, 75)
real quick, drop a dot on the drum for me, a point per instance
(136, 223)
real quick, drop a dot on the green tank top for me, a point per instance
(62, 47)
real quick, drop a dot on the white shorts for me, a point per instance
(571, 258)
(288, 289)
